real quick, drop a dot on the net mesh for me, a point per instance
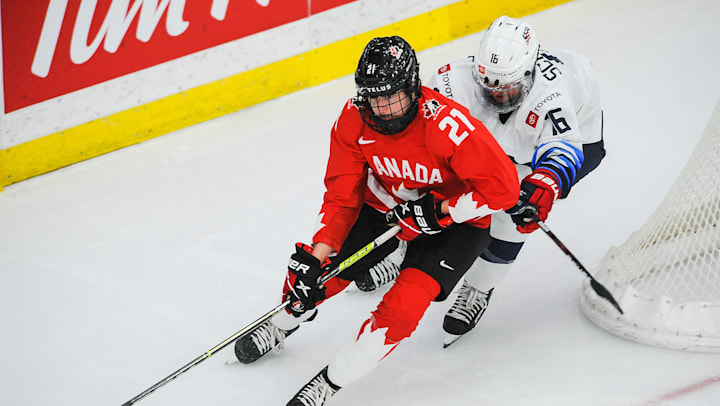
(671, 266)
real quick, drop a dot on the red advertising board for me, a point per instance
(54, 47)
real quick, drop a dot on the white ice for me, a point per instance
(117, 271)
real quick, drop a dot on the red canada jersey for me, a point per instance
(444, 150)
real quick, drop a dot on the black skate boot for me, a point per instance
(316, 392)
(384, 271)
(260, 341)
(264, 338)
(464, 313)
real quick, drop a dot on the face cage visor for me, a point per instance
(504, 98)
(389, 114)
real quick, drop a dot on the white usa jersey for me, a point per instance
(561, 113)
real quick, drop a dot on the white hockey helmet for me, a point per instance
(505, 64)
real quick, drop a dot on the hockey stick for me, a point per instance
(354, 258)
(597, 286)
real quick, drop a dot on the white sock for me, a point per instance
(360, 356)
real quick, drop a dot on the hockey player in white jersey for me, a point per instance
(543, 107)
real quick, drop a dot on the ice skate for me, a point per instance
(268, 336)
(316, 392)
(384, 271)
(260, 341)
(464, 313)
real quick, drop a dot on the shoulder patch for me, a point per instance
(431, 108)
(532, 119)
(444, 69)
(354, 102)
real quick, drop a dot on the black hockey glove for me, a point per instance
(301, 284)
(417, 217)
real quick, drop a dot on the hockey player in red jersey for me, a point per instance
(399, 153)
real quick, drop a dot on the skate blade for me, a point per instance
(450, 339)
(232, 361)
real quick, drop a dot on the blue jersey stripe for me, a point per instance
(562, 159)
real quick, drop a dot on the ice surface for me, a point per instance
(117, 271)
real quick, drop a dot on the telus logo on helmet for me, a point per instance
(374, 89)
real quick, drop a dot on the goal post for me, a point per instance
(666, 276)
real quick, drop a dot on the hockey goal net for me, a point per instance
(666, 276)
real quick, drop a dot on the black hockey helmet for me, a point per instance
(387, 66)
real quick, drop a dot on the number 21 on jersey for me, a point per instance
(457, 133)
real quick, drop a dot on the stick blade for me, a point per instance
(605, 294)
